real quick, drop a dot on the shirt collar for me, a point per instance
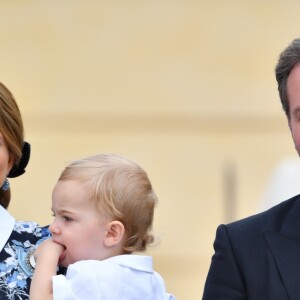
(138, 262)
(7, 223)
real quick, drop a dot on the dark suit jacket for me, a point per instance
(258, 258)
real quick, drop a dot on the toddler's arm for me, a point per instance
(46, 257)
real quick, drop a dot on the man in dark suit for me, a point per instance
(258, 258)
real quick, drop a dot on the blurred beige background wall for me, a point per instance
(186, 88)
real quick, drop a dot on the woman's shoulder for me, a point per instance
(16, 265)
(30, 230)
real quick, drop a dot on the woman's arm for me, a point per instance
(46, 256)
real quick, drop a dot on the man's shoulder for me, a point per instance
(271, 219)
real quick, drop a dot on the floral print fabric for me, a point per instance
(16, 268)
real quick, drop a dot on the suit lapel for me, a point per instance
(285, 247)
(286, 253)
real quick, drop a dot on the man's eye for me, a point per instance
(297, 117)
(67, 219)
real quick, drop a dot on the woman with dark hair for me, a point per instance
(17, 239)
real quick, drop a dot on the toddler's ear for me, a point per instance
(115, 233)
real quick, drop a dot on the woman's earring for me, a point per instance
(20, 168)
(5, 185)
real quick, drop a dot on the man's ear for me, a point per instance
(290, 127)
(115, 233)
(289, 123)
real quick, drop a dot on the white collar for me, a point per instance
(134, 261)
(7, 223)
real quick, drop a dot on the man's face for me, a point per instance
(293, 91)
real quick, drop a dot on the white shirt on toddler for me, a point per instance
(120, 277)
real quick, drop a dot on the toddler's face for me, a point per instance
(78, 225)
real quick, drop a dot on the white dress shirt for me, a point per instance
(119, 277)
(7, 223)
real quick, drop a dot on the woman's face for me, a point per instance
(6, 160)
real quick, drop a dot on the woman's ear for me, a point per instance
(115, 233)
(11, 161)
